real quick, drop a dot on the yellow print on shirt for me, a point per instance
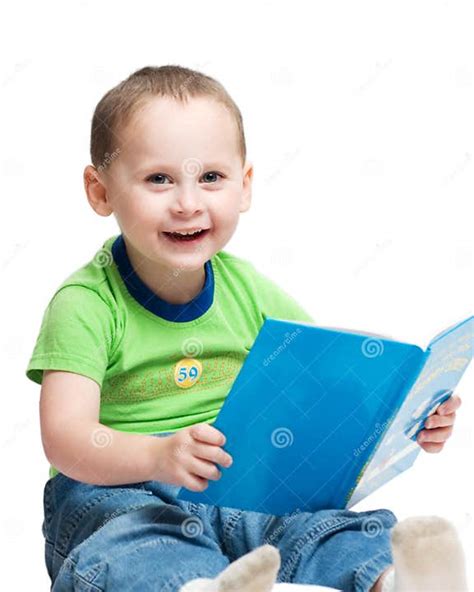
(187, 372)
(145, 384)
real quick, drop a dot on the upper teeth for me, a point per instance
(191, 232)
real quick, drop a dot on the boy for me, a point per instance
(137, 351)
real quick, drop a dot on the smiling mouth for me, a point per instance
(196, 236)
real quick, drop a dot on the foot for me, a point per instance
(254, 572)
(427, 556)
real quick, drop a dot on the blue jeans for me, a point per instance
(139, 537)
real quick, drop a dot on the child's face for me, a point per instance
(178, 168)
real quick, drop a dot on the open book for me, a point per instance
(320, 417)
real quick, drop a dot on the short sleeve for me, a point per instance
(277, 303)
(76, 335)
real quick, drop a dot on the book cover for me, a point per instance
(320, 417)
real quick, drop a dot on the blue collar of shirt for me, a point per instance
(146, 297)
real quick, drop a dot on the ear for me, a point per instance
(247, 187)
(96, 192)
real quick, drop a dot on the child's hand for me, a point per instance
(439, 425)
(187, 457)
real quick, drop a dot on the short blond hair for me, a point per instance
(119, 104)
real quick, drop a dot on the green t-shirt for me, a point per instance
(160, 367)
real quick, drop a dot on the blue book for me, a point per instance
(320, 417)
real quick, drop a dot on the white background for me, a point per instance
(359, 123)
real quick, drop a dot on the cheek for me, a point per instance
(226, 224)
(133, 210)
(226, 207)
(225, 217)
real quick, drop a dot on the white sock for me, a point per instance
(254, 572)
(388, 583)
(427, 553)
(428, 557)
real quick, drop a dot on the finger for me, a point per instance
(203, 432)
(435, 435)
(450, 405)
(195, 483)
(432, 447)
(204, 469)
(213, 454)
(439, 421)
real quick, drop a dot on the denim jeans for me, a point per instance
(140, 537)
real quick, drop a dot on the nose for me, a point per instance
(188, 202)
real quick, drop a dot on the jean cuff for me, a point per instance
(368, 573)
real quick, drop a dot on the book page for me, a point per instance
(380, 336)
(450, 328)
(446, 360)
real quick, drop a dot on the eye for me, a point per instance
(157, 176)
(213, 173)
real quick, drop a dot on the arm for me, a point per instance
(93, 453)
(78, 445)
(85, 450)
